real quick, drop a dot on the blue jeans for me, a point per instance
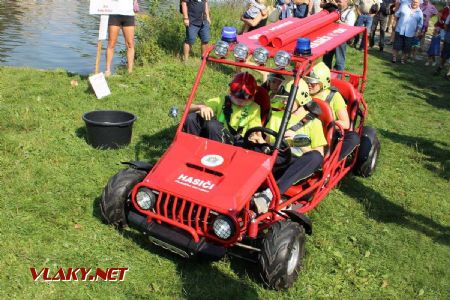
(339, 52)
(366, 21)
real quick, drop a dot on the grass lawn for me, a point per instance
(382, 237)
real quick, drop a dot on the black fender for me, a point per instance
(138, 165)
(300, 219)
(368, 137)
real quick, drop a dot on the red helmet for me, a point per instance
(243, 86)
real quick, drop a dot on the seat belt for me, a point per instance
(227, 111)
(309, 117)
(333, 90)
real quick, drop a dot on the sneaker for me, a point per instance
(262, 200)
(427, 63)
(434, 64)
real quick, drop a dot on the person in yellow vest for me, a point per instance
(305, 160)
(227, 119)
(277, 92)
(319, 83)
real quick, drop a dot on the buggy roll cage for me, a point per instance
(323, 32)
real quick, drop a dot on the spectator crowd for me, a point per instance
(407, 20)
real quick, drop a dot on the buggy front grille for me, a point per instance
(183, 212)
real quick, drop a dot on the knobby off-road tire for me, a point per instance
(281, 256)
(368, 156)
(114, 201)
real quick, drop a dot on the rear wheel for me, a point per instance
(281, 256)
(369, 151)
(114, 202)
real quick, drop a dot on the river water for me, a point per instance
(48, 34)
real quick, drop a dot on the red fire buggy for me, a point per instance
(197, 199)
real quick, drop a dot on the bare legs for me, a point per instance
(128, 32)
(113, 33)
(187, 50)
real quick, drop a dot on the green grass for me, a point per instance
(382, 237)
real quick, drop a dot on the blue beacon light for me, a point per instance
(303, 47)
(229, 34)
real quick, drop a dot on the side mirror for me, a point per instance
(301, 140)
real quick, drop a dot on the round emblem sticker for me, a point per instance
(212, 160)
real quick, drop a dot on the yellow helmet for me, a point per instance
(303, 95)
(320, 74)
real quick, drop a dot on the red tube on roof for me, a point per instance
(310, 26)
(275, 29)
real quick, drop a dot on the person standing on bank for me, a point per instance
(197, 21)
(381, 18)
(409, 25)
(348, 17)
(366, 9)
(115, 23)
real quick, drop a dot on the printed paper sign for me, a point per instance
(100, 86)
(103, 28)
(111, 7)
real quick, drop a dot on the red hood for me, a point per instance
(222, 186)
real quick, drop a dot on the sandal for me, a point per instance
(107, 74)
(394, 59)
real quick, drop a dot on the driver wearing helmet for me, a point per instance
(305, 160)
(228, 118)
(319, 83)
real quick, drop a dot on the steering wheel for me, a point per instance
(285, 149)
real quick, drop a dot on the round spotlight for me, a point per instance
(223, 227)
(282, 59)
(260, 55)
(145, 198)
(241, 52)
(221, 49)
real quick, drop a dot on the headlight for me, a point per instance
(223, 227)
(241, 52)
(282, 59)
(221, 49)
(260, 55)
(145, 198)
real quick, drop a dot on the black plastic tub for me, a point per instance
(109, 129)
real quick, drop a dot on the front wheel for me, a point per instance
(281, 256)
(114, 201)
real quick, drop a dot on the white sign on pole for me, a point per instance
(100, 86)
(103, 28)
(111, 7)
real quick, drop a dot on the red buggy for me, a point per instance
(197, 199)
